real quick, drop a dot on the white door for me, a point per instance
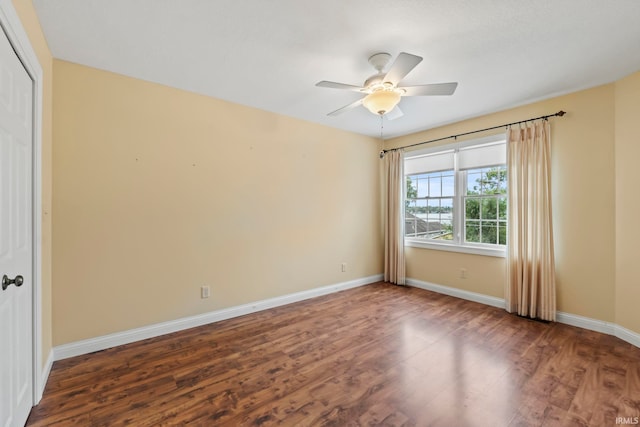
(16, 257)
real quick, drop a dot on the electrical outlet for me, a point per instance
(205, 291)
(344, 267)
(463, 273)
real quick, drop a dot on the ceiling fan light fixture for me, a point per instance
(381, 101)
(382, 91)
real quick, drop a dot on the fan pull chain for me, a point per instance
(381, 126)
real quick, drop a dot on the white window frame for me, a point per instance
(458, 245)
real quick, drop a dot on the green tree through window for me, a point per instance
(412, 192)
(485, 205)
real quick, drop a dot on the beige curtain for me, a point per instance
(531, 285)
(394, 271)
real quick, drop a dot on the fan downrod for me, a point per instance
(379, 61)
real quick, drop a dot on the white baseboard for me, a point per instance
(458, 293)
(125, 337)
(569, 319)
(629, 336)
(586, 323)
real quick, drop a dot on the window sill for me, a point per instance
(466, 249)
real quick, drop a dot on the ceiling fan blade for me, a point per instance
(404, 63)
(396, 113)
(335, 85)
(346, 108)
(434, 89)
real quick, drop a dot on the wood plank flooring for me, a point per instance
(378, 355)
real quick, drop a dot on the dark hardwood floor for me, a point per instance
(378, 355)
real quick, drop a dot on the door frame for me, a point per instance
(12, 26)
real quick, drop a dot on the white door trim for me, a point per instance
(18, 38)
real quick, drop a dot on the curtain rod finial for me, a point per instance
(561, 113)
(382, 154)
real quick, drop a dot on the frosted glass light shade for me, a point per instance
(381, 101)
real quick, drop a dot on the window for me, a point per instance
(456, 198)
(429, 205)
(485, 205)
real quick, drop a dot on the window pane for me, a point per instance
(472, 232)
(410, 225)
(489, 208)
(502, 184)
(502, 233)
(429, 218)
(410, 208)
(447, 207)
(435, 184)
(411, 187)
(472, 208)
(489, 232)
(448, 186)
(434, 209)
(493, 180)
(502, 208)
(489, 182)
(473, 183)
(423, 189)
(446, 229)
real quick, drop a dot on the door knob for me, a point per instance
(18, 281)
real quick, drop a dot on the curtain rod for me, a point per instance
(558, 114)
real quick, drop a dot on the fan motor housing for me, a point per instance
(376, 79)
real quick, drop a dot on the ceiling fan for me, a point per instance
(383, 90)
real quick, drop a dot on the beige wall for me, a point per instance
(583, 179)
(485, 274)
(627, 135)
(159, 191)
(31, 24)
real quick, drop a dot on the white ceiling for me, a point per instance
(270, 54)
